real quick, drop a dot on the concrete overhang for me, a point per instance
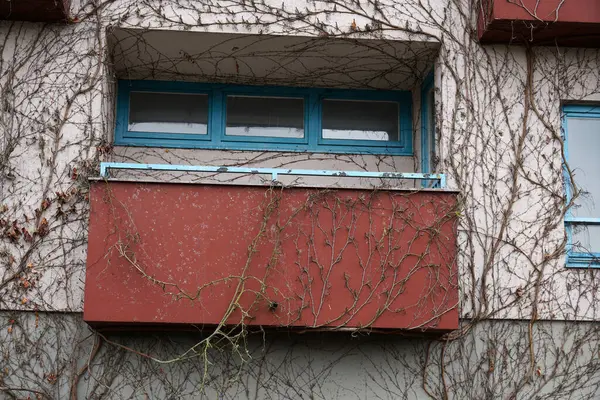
(259, 59)
(540, 23)
(35, 10)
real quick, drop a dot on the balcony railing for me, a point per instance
(105, 168)
(169, 254)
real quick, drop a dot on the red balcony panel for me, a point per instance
(168, 254)
(35, 10)
(540, 22)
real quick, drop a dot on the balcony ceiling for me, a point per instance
(268, 59)
(34, 10)
(541, 23)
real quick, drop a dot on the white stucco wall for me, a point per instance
(57, 85)
(476, 133)
(490, 364)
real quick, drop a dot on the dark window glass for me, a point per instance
(168, 113)
(265, 116)
(360, 120)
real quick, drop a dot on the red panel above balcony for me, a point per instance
(541, 22)
(35, 10)
(171, 254)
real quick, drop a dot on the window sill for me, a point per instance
(580, 262)
(287, 148)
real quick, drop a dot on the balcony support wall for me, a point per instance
(172, 254)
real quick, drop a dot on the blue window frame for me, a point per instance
(428, 127)
(581, 129)
(207, 128)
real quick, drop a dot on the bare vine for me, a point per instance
(526, 327)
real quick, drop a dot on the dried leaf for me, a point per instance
(43, 228)
(27, 236)
(45, 204)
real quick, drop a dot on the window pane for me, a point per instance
(265, 116)
(586, 238)
(360, 120)
(583, 145)
(431, 126)
(168, 113)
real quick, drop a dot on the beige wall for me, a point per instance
(68, 85)
(57, 96)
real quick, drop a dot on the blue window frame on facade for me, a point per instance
(263, 118)
(428, 127)
(581, 130)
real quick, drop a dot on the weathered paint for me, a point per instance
(328, 259)
(541, 22)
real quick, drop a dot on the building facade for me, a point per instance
(299, 200)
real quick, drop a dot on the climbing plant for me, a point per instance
(526, 326)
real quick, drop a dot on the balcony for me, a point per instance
(540, 22)
(35, 10)
(175, 254)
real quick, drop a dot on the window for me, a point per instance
(360, 120)
(582, 222)
(168, 113)
(216, 116)
(254, 116)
